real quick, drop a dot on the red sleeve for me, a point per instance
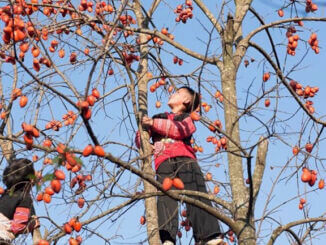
(174, 129)
(20, 220)
(137, 138)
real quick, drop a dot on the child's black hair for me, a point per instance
(195, 99)
(18, 173)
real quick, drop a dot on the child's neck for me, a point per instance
(177, 109)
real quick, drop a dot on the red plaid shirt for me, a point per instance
(171, 137)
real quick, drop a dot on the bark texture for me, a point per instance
(242, 196)
(146, 149)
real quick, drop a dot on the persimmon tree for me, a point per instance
(77, 77)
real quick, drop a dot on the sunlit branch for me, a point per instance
(288, 226)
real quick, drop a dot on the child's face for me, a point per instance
(179, 98)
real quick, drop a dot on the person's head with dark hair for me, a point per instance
(185, 99)
(18, 173)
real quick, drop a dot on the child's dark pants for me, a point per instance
(204, 225)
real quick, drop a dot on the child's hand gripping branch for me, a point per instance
(147, 121)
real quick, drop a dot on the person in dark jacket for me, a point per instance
(17, 214)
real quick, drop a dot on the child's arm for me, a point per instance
(146, 122)
(174, 129)
(137, 137)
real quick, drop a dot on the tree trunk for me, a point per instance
(7, 149)
(228, 78)
(146, 149)
(240, 194)
(247, 235)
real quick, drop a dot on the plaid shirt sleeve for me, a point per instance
(137, 138)
(174, 129)
(20, 220)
